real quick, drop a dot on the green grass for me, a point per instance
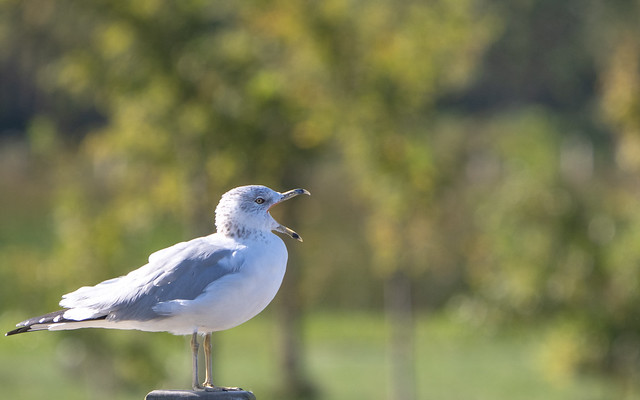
(345, 354)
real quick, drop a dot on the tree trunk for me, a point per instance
(295, 381)
(401, 342)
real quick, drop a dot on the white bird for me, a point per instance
(207, 284)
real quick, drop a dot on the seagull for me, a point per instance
(207, 284)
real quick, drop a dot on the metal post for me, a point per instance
(200, 395)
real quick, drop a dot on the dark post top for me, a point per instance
(200, 395)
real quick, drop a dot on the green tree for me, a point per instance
(475, 155)
(389, 63)
(193, 99)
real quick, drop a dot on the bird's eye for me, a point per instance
(259, 200)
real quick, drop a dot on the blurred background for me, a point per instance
(474, 229)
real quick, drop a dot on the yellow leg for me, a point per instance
(208, 379)
(194, 350)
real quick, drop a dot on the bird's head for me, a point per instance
(245, 209)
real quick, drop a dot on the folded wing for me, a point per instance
(180, 272)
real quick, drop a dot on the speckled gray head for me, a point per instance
(244, 211)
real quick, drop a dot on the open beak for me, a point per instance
(286, 196)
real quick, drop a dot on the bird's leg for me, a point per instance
(194, 350)
(208, 378)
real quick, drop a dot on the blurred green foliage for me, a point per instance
(346, 353)
(489, 150)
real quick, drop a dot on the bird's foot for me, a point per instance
(214, 388)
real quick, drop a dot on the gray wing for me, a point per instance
(180, 272)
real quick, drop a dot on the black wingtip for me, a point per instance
(27, 326)
(43, 322)
(22, 329)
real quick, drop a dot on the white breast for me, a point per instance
(238, 297)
